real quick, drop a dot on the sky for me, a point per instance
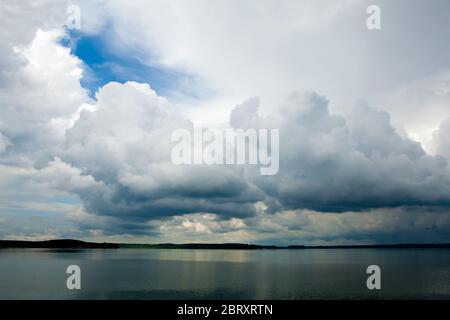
(86, 117)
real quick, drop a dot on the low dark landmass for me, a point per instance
(57, 244)
(256, 247)
(380, 246)
(77, 244)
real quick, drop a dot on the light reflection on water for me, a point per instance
(225, 274)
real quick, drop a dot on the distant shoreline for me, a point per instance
(78, 244)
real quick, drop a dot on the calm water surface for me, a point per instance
(225, 274)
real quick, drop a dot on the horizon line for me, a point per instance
(74, 243)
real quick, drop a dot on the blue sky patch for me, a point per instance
(103, 64)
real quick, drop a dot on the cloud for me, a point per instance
(339, 163)
(125, 144)
(329, 163)
(271, 48)
(294, 227)
(440, 139)
(20, 21)
(419, 106)
(51, 235)
(39, 99)
(3, 143)
(62, 176)
(386, 225)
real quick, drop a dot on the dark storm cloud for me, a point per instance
(125, 146)
(329, 163)
(357, 162)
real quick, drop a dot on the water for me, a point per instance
(225, 274)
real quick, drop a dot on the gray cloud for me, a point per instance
(328, 162)
(126, 146)
(441, 139)
(354, 162)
